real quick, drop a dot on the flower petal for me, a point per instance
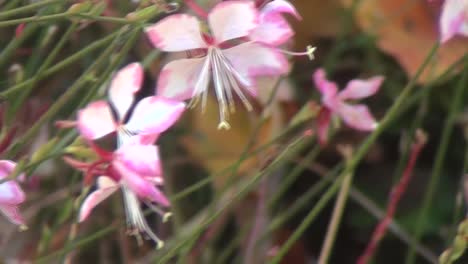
(453, 19)
(11, 193)
(176, 33)
(280, 6)
(232, 19)
(357, 117)
(123, 87)
(96, 120)
(12, 213)
(254, 59)
(142, 159)
(273, 29)
(178, 78)
(140, 186)
(6, 167)
(357, 89)
(155, 114)
(325, 87)
(106, 187)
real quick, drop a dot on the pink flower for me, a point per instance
(151, 116)
(229, 64)
(271, 20)
(454, 19)
(356, 116)
(11, 194)
(136, 169)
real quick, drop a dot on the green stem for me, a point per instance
(292, 150)
(28, 8)
(335, 220)
(439, 162)
(59, 66)
(307, 221)
(61, 101)
(391, 114)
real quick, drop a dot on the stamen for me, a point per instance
(219, 89)
(136, 217)
(309, 52)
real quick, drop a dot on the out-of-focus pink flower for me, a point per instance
(11, 194)
(454, 19)
(273, 28)
(231, 66)
(136, 169)
(356, 116)
(151, 116)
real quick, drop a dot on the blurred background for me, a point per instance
(239, 195)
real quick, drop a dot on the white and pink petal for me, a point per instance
(123, 87)
(253, 59)
(96, 120)
(12, 213)
(454, 19)
(178, 78)
(357, 89)
(141, 159)
(105, 187)
(155, 114)
(357, 117)
(178, 32)
(139, 185)
(11, 193)
(232, 19)
(327, 88)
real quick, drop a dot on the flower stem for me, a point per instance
(439, 161)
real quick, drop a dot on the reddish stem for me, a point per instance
(196, 8)
(395, 196)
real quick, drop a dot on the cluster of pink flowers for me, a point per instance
(236, 42)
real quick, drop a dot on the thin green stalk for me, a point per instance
(307, 221)
(391, 114)
(59, 66)
(49, 59)
(335, 220)
(28, 8)
(64, 16)
(60, 102)
(292, 150)
(291, 177)
(15, 43)
(439, 162)
(299, 203)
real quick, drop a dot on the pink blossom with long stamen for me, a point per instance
(335, 102)
(230, 62)
(151, 116)
(135, 166)
(136, 170)
(11, 194)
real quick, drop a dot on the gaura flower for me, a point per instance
(151, 116)
(135, 166)
(136, 169)
(11, 194)
(356, 116)
(273, 28)
(231, 66)
(454, 19)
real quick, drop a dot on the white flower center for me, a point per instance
(226, 80)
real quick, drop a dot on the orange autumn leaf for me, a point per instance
(408, 30)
